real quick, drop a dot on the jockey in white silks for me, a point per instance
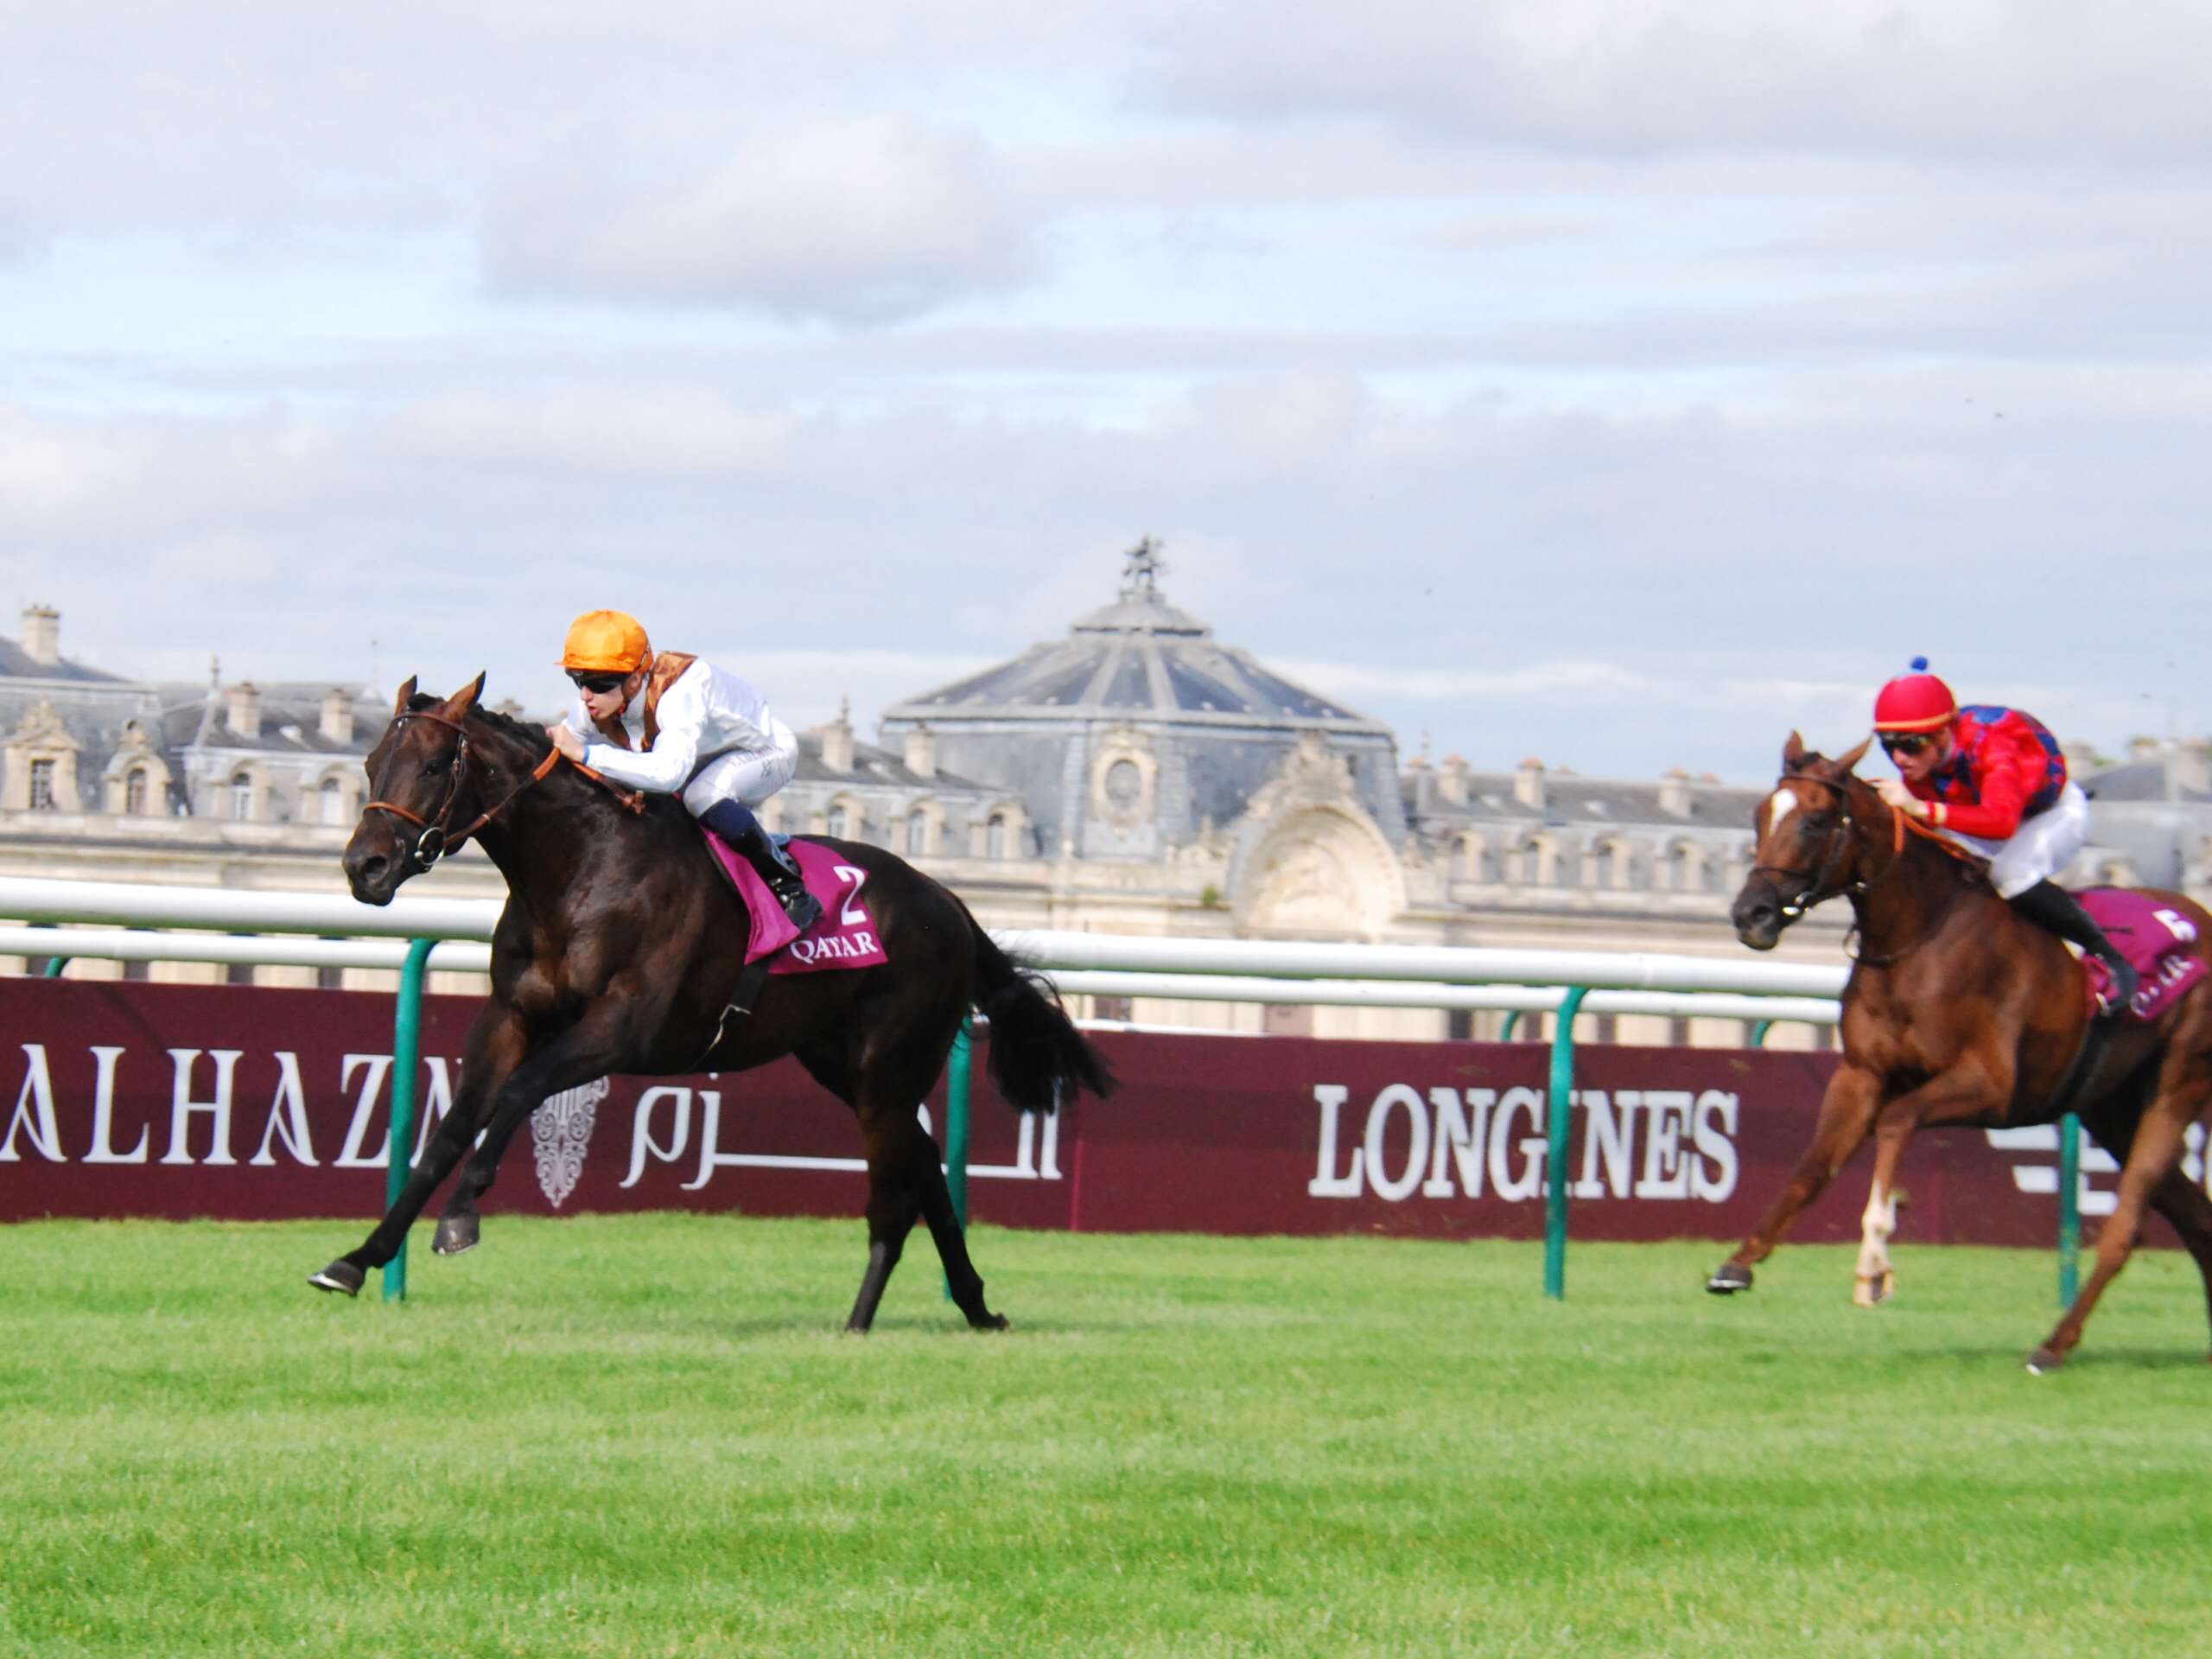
(670, 724)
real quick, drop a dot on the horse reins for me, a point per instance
(439, 839)
(1838, 850)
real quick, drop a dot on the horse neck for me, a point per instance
(537, 838)
(1907, 889)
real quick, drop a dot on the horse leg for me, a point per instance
(961, 1278)
(446, 1149)
(2156, 1151)
(2183, 1203)
(1848, 1112)
(892, 1204)
(1876, 1280)
(578, 1055)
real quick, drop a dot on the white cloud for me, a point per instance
(685, 433)
(1987, 79)
(856, 221)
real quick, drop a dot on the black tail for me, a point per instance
(1039, 1058)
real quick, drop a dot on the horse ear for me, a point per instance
(462, 700)
(1792, 752)
(1846, 762)
(406, 697)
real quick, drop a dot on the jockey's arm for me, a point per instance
(668, 765)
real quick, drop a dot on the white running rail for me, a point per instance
(1105, 964)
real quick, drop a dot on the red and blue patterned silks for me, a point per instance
(2004, 765)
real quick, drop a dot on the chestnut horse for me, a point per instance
(1959, 1011)
(619, 949)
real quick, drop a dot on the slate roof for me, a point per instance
(872, 765)
(17, 664)
(1139, 658)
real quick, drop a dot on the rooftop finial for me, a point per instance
(1140, 575)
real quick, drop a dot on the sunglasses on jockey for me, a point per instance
(598, 684)
(1907, 742)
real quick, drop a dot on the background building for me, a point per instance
(1136, 776)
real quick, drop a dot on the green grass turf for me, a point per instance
(645, 1435)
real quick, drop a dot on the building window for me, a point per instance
(837, 823)
(137, 972)
(242, 798)
(334, 804)
(918, 836)
(1459, 1024)
(134, 793)
(41, 785)
(997, 840)
(1124, 784)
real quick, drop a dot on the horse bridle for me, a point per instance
(439, 839)
(1838, 850)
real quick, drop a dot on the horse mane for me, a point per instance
(526, 731)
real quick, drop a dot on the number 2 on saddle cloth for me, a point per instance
(843, 936)
(2154, 939)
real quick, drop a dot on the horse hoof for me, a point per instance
(340, 1276)
(456, 1236)
(1873, 1292)
(2043, 1361)
(991, 1322)
(1731, 1277)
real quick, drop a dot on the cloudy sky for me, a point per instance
(1615, 381)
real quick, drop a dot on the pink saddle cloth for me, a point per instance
(844, 936)
(2155, 940)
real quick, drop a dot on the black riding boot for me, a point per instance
(2049, 905)
(734, 822)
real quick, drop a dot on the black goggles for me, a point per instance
(1907, 742)
(597, 684)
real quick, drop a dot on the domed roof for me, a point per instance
(1137, 659)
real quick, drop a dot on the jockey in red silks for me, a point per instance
(670, 724)
(1995, 780)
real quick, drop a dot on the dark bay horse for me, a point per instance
(619, 950)
(1959, 1011)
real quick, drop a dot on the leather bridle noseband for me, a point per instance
(439, 839)
(1836, 853)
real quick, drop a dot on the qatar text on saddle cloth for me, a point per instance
(2154, 939)
(844, 936)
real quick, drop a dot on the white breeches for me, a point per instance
(747, 775)
(2040, 848)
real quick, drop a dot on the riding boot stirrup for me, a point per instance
(780, 870)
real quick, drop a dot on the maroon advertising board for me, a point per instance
(241, 1102)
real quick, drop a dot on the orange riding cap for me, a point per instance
(1918, 701)
(606, 642)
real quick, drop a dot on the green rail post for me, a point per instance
(957, 1071)
(1512, 1024)
(2069, 1209)
(1759, 1029)
(55, 965)
(1561, 1110)
(406, 1052)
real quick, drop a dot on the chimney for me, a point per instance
(921, 750)
(246, 710)
(338, 715)
(1528, 784)
(1674, 793)
(42, 634)
(1452, 780)
(837, 739)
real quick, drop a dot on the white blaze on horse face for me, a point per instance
(1779, 806)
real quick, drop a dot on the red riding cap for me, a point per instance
(1918, 701)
